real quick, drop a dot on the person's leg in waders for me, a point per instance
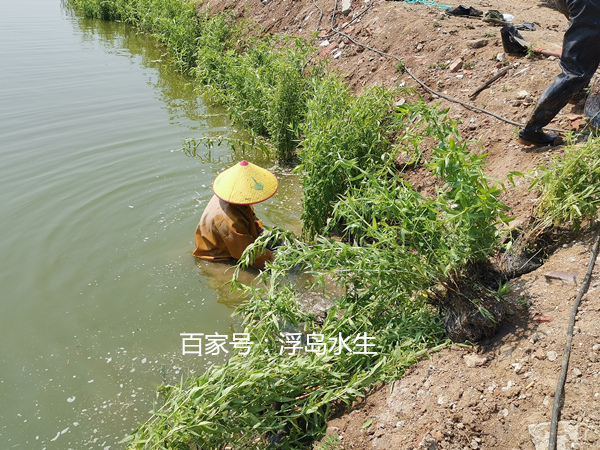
(579, 60)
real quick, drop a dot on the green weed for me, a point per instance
(570, 186)
(330, 442)
(339, 128)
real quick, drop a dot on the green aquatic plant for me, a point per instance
(173, 22)
(396, 244)
(270, 395)
(341, 127)
(265, 87)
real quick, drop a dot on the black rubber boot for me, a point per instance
(536, 137)
(579, 60)
(579, 97)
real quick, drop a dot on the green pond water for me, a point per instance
(98, 208)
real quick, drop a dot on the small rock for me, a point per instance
(536, 337)
(456, 65)
(509, 384)
(596, 347)
(539, 354)
(560, 275)
(346, 7)
(438, 436)
(325, 43)
(567, 436)
(576, 372)
(420, 46)
(327, 50)
(477, 43)
(517, 367)
(500, 57)
(590, 436)
(522, 95)
(551, 355)
(474, 360)
(428, 443)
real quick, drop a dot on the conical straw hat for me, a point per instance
(245, 184)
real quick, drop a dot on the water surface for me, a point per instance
(98, 208)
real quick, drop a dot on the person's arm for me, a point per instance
(236, 244)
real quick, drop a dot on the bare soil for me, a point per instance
(498, 394)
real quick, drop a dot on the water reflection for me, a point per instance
(217, 276)
(178, 93)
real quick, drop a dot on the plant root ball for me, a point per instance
(464, 321)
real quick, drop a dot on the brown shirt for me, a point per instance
(225, 230)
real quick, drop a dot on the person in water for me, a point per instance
(228, 224)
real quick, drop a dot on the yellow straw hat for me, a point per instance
(245, 184)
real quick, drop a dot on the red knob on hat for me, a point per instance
(244, 163)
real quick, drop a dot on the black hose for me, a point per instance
(565, 364)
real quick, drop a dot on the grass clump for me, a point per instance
(341, 128)
(263, 86)
(570, 186)
(174, 22)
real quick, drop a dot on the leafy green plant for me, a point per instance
(569, 186)
(439, 66)
(263, 81)
(330, 442)
(340, 128)
(266, 393)
(400, 68)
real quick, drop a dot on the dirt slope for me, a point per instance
(494, 396)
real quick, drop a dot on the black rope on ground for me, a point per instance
(320, 17)
(421, 83)
(560, 388)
